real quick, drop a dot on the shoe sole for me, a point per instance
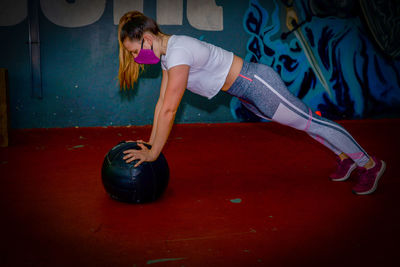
(344, 178)
(376, 181)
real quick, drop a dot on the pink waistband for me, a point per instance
(247, 78)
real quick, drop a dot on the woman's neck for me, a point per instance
(164, 43)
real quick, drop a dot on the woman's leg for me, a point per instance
(318, 138)
(264, 90)
(271, 97)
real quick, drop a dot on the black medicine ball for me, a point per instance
(125, 183)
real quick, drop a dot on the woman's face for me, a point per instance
(132, 46)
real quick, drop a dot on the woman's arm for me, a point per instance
(176, 85)
(163, 87)
(177, 81)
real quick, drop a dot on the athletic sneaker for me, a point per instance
(344, 169)
(368, 178)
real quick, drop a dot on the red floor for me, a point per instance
(239, 195)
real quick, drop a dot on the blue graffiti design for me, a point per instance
(364, 82)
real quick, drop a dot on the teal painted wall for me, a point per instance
(80, 65)
(80, 68)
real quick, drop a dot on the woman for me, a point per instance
(206, 69)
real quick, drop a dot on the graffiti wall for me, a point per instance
(62, 57)
(333, 55)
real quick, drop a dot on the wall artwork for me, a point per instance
(334, 55)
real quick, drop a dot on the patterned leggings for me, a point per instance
(264, 93)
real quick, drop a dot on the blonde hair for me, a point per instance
(132, 25)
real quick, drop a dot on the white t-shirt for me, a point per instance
(209, 64)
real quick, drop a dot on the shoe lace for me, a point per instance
(363, 175)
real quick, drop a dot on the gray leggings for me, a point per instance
(263, 92)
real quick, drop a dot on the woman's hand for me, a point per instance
(144, 154)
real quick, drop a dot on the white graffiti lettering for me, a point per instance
(120, 7)
(77, 14)
(202, 14)
(169, 12)
(205, 15)
(13, 12)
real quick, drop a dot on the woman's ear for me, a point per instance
(148, 38)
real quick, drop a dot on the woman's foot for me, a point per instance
(344, 169)
(368, 178)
